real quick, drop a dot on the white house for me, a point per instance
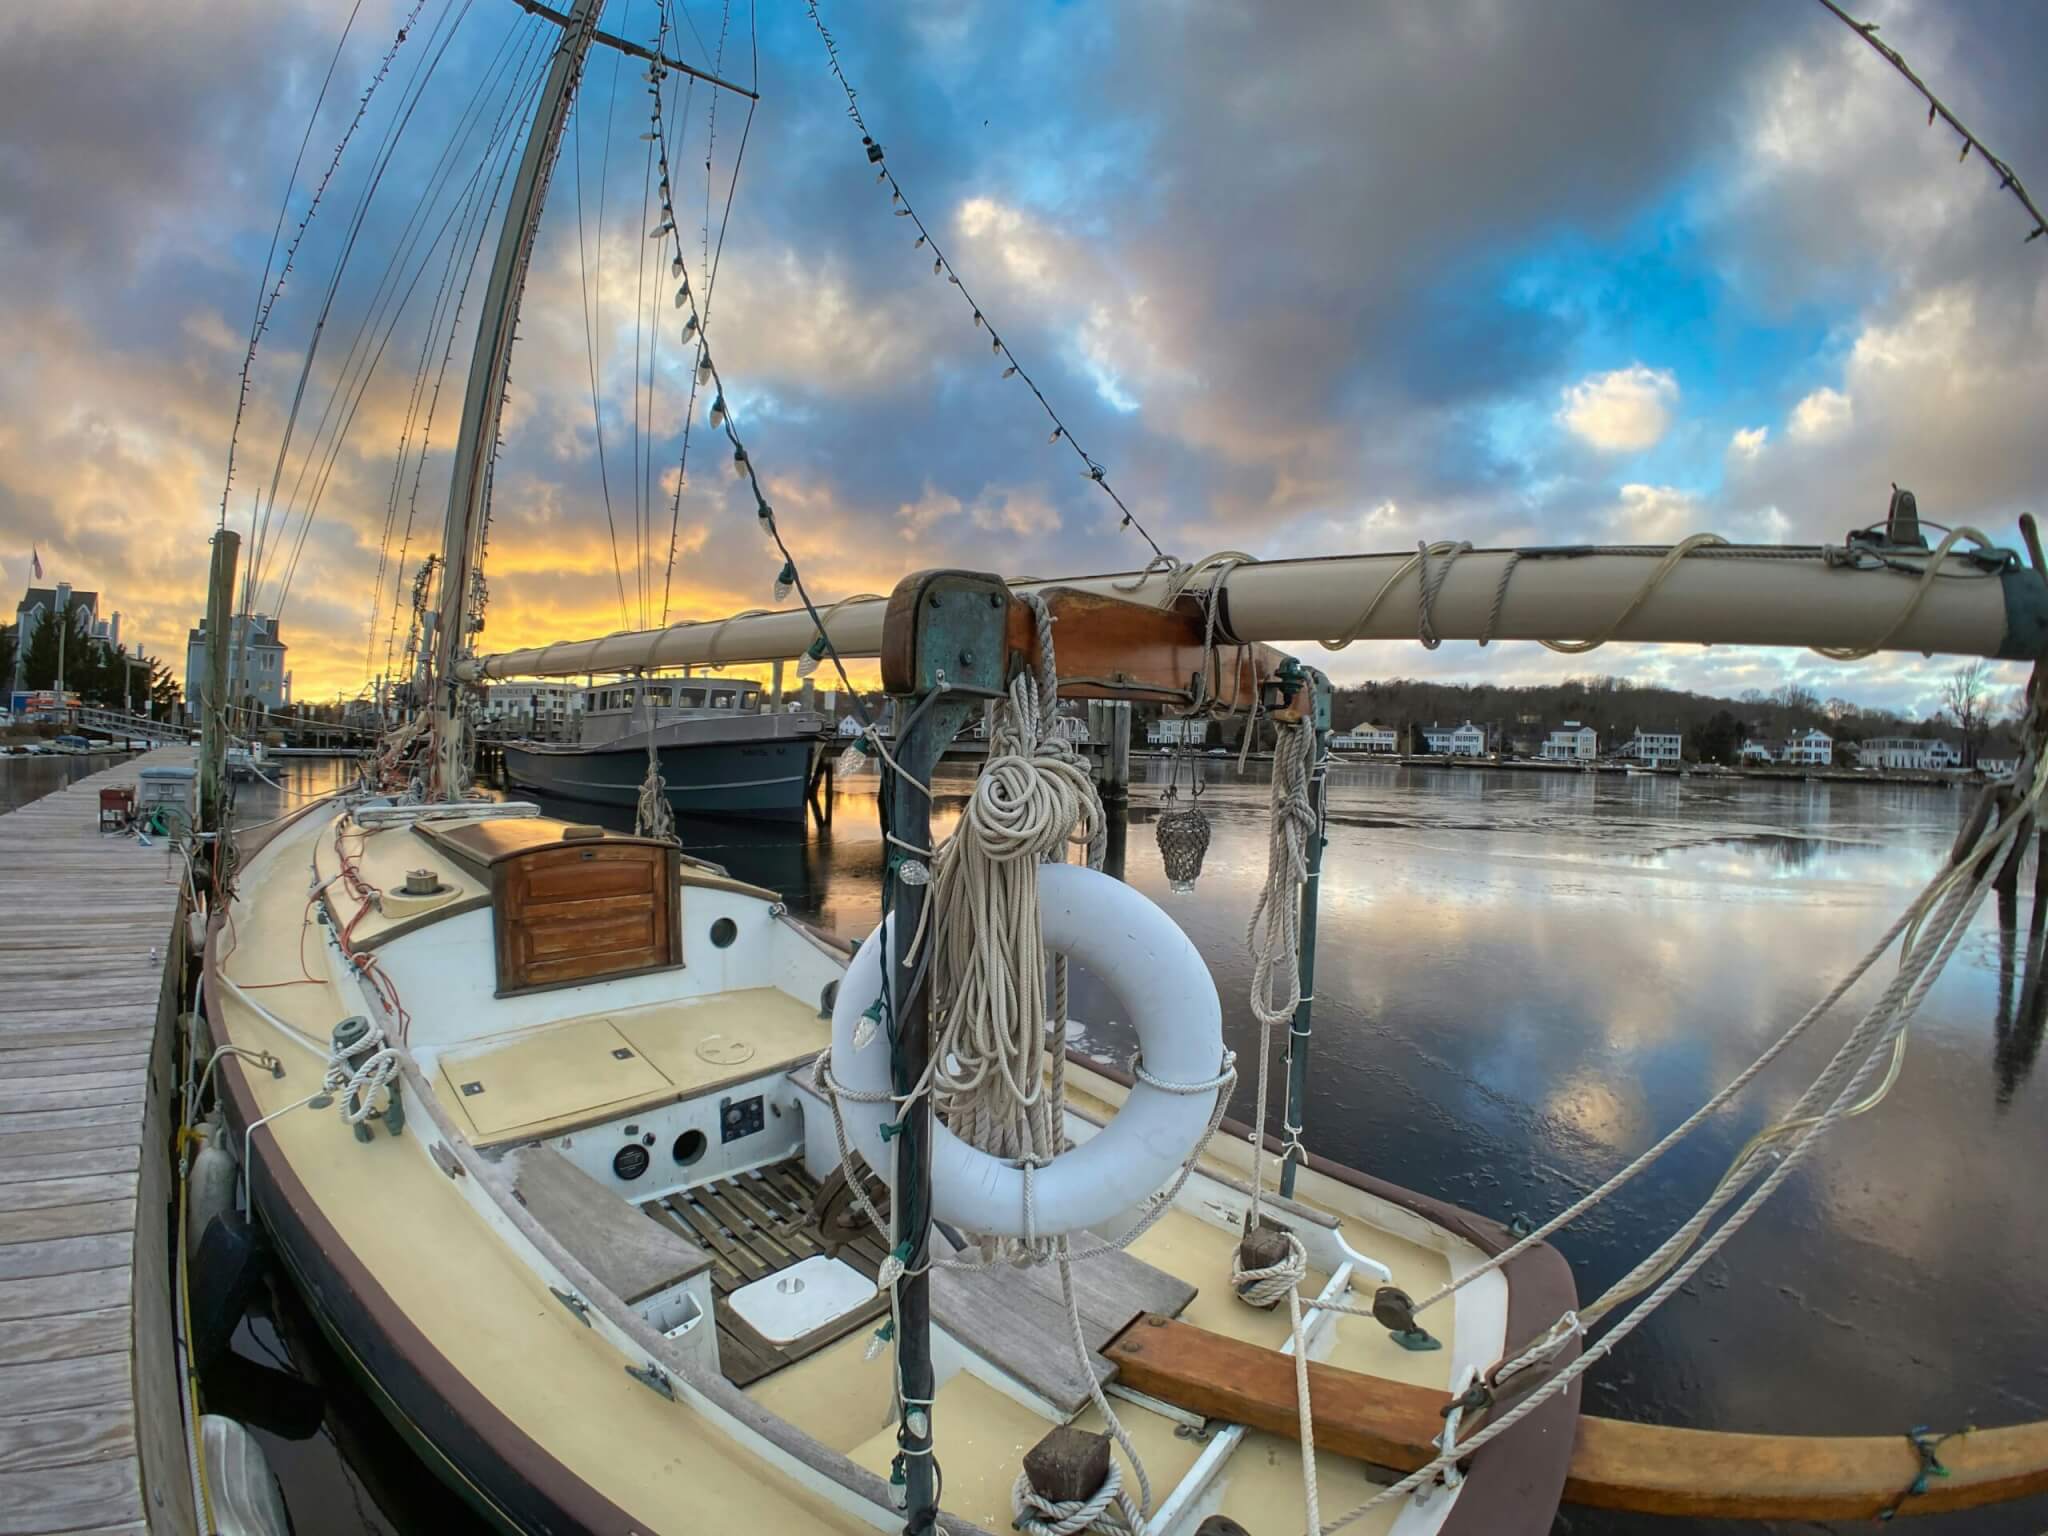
(1998, 767)
(1755, 752)
(1909, 752)
(258, 671)
(1572, 742)
(1467, 740)
(1809, 749)
(1366, 737)
(1173, 731)
(1655, 747)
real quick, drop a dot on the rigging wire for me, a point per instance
(423, 369)
(942, 266)
(260, 321)
(262, 513)
(593, 314)
(713, 258)
(390, 304)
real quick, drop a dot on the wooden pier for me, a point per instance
(91, 1435)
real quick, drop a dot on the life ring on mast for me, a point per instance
(1160, 981)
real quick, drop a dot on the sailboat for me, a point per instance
(639, 1205)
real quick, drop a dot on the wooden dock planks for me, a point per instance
(87, 929)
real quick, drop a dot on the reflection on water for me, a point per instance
(1525, 978)
(24, 777)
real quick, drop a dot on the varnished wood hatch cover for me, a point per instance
(572, 904)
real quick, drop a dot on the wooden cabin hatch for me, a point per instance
(571, 904)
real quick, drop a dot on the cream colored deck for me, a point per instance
(492, 1318)
(668, 1468)
(567, 1075)
(87, 1380)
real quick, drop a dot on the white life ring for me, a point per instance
(1162, 985)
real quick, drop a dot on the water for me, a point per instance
(1524, 979)
(24, 778)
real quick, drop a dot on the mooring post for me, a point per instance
(213, 703)
(943, 653)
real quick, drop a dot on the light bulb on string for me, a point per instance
(682, 295)
(814, 653)
(675, 267)
(953, 278)
(938, 265)
(764, 518)
(689, 328)
(704, 366)
(995, 343)
(917, 244)
(1057, 434)
(853, 759)
(718, 411)
(739, 461)
(785, 581)
(978, 321)
(666, 226)
(1010, 372)
(902, 213)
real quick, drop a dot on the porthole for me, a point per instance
(689, 1147)
(630, 1161)
(724, 931)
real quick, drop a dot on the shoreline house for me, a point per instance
(1920, 754)
(1572, 742)
(1467, 740)
(1366, 737)
(1755, 752)
(1175, 731)
(1809, 749)
(259, 672)
(1655, 747)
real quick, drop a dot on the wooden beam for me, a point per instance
(1710, 1475)
(1386, 1423)
(1643, 1468)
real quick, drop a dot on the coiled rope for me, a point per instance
(357, 1086)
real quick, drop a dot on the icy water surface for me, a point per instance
(1525, 979)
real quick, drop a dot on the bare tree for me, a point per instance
(1966, 699)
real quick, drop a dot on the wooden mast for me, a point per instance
(484, 398)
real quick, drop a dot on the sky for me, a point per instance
(1304, 279)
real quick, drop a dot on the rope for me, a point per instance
(1926, 585)
(1842, 1089)
(1648, 589)
(653, 816)
(1108, 1509)
(357, 1086)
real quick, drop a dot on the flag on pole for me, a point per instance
(35, 563)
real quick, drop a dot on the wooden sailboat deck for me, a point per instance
(90, 1431)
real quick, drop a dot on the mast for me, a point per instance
(484, 398)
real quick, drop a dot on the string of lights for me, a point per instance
(2008, 178)
(942, 266)
(788, 578)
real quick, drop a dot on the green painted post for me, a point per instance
(1298, 1030)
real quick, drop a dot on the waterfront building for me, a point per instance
(1366, 737)
(1913, 753)
(1809, 749)
(1655, 747)
(1467, 740)
(1572, 742)
(259, 672)
(539, 710)
(40, 603)
(1755, 752)
(1173, 731)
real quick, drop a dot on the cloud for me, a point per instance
(1824, 414)
(1747, 445)
(1625, 411)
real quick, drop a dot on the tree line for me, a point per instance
(98, 671)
